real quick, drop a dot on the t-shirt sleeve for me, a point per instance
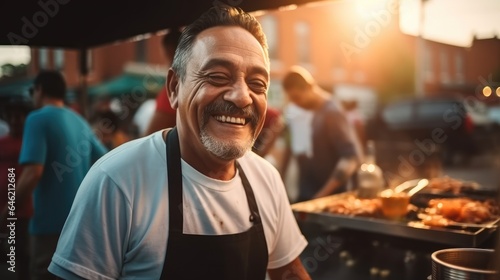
(94, 239)
(289, 241)
(163, 104)
(34, 147)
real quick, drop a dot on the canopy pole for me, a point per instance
(84, 70)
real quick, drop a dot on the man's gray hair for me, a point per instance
(218, 15)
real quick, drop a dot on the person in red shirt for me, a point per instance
(164, 115)
(15, 113)
(272, 129)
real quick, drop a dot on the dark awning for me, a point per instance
(86, 24)
(15, 88)
(135, 84)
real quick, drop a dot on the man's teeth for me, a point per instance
(228, 119)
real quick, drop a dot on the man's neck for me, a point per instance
(322, 98)
(209, 165)
(52, 101)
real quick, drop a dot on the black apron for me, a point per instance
(237, 256)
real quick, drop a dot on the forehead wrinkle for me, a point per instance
(207, 40)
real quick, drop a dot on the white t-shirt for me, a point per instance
(144, 114)
(4, 128)
(118, 224)
(299, 122)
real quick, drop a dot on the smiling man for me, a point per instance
(191, 202)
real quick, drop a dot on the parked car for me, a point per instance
(494, 114)
(459, 128)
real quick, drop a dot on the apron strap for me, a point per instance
(252, 203)
(174, 181)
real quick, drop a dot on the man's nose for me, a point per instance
(239, 95)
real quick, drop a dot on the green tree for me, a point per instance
(11, 71)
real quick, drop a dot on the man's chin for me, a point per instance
(229, 155)
(224, 149)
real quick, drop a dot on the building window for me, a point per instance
(90, 60)
(459, 68)
(43, 58)
(275, 96)
(302, 31)
(270, 28)
(428, 69)
(140, 51)
(359, 76)
(445, 75)
(338, 66)
(59, 59)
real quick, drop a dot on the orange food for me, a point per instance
(449, 185)
(463, 210)
(354, 206)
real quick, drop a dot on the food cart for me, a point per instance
(410, 233)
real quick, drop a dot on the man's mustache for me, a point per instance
(228, 108)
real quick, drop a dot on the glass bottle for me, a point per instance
(370, 177)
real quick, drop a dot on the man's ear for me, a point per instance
(172, 85)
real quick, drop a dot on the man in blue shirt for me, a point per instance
(58, 149)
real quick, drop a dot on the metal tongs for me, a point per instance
(416, 185)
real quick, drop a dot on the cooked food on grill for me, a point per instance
(449, 185)
(354, 206)
(442, 211)
(462, 210)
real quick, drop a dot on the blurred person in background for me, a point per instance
(164, 114)
(336, 152)
(192, 202)
(297, 135)
(106, 125)
(4, 128)
(16, 110)
(272, 129)
(58, 149)
(355, 119)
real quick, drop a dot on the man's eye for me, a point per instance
(258, 86)
(218, 80)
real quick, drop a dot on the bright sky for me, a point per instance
(448, 21)
(452, 21)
